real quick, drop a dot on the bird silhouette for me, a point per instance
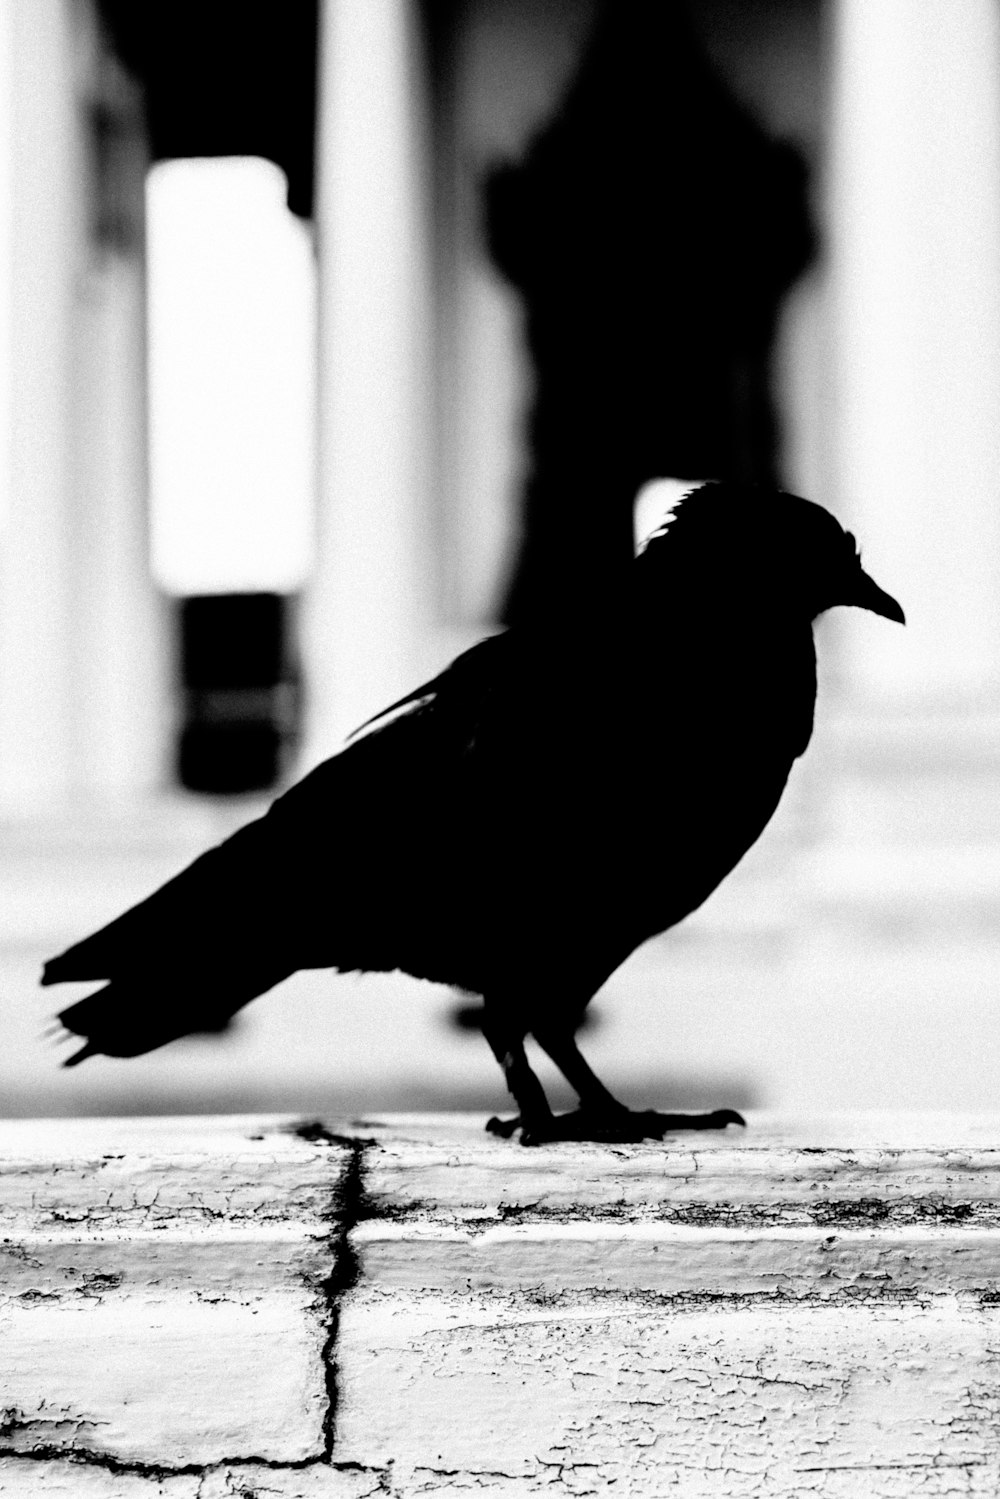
(519, 825)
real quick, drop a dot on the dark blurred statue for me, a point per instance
(653, 230)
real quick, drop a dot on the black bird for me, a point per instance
(519, 825)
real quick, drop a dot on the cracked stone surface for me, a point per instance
(202, 1309)
(66, 1479)
(726, 1400)
(784, 1169)
(164, 1299)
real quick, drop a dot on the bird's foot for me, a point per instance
(618, 1128)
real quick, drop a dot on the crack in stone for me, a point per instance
(347, 1209)
(17, 1424)
(86, 1457)
(242, 1470)
(900, 1467)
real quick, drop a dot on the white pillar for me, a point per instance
(122, 652)
(366, 600)
(914, 243)
(82, 665)
(6, 245)
(34, 552)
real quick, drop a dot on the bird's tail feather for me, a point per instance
(88, 1049)
(130, 1017)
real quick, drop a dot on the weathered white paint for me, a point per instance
(70, 1480)
(807, 1307)
(820, 1263)
(163, 1290)
(784, 1170)
(723, 1401)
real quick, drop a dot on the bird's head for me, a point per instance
(754, 544)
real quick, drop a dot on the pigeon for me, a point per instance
(519, 825)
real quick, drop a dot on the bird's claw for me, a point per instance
(722, 1117)
(624, 1128)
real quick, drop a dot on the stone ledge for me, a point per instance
(407, 1305)
(860, 1167)
(164, 1294)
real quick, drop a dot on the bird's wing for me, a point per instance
(460, 686)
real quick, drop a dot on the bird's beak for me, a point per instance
(866, 594)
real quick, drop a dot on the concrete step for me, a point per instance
(202, 1307)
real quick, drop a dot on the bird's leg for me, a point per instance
(600, 1116)
(534, 1116)
(558, 1043)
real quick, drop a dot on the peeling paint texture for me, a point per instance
(242, 1308)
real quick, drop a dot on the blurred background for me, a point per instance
(335, 334)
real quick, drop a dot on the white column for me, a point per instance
(365, 607)
(122, 652)
(914, 244)
(83, 669)
(35, 677)
(6, 245)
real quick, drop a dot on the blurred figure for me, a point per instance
(653, 230)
